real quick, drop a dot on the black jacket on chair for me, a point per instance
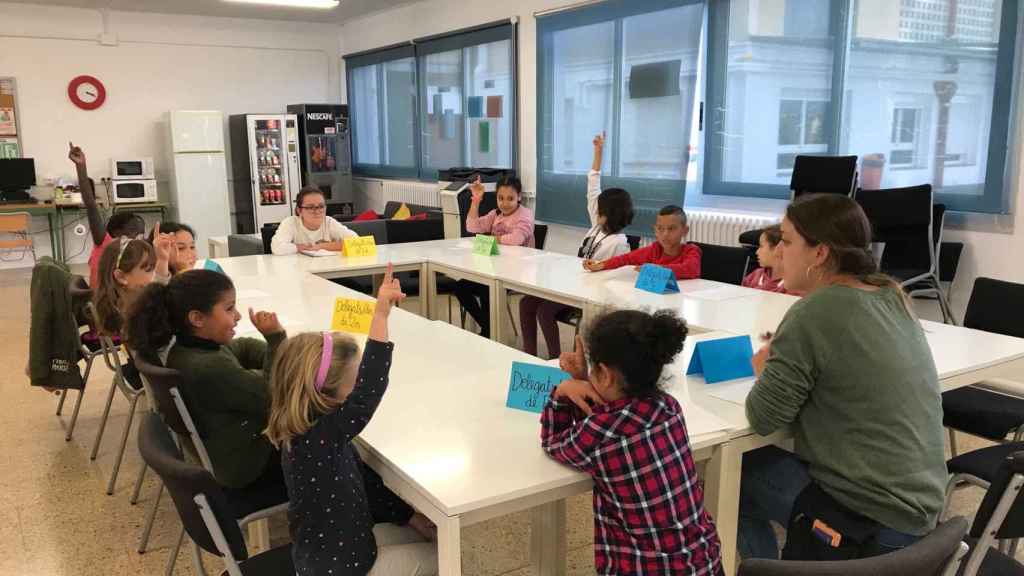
(54, 350)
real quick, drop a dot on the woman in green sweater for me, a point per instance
(850, 372)
(190, 323)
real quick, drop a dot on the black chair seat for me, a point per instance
(995, 563)
(570, 316)
(273, 562)
(259, 496)
(984, 462)
(980, 412)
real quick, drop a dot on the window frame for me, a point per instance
(419, 49)
(995, 198)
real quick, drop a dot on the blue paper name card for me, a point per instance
(211, 265)
(530, 385)
(723, 359)
(657, 279)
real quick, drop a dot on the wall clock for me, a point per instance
(87, 92)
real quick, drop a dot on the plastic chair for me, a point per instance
(89, 349)
(937, 554)
(723, 263)
(1000, 519)
(203, 507)
(995, 306)
(17, 224)
(132, 392)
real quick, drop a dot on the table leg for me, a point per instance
(722, 498)
(430, 282)
(426, 298)
(498, 297)
(548, 540)
(55, 238)
(449, 547)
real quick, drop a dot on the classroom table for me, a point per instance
(962, 357)
(454, 465)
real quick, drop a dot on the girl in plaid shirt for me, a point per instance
(615, 422)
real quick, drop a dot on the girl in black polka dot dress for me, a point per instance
(343, 520)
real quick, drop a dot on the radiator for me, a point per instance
(373, 194)
(721, 228)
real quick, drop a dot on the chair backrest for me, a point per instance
(823, 175)
(376, 228)
(267, 232)
(633, 240)
(401, 231)
(949, 260)
(934, 555)
(200, 501)
(723, 263)
(193, 430)
(1001, 513)
(903, 219)
(540, 235)
(996, 306)
(15, 223)
(159, 383)
(244, 245)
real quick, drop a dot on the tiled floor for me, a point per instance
(55, 518)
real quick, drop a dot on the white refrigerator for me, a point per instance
(199, 178)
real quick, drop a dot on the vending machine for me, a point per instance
(325, 152)
(265, 166)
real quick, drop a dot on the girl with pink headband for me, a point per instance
(342, 519)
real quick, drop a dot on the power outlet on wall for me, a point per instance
(81, 230)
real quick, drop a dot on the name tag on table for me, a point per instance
(723, 359)
(530, 385)
(352, 315)
(211, 265)
(657, 279)
(359, 246)
(484, 245)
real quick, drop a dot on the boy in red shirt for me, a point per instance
(671, 249)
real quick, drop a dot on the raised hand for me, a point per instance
(390, 292)
(76, 155)
(477, 190)
(599, 140)
(581, 393)
(266, 322)
(575, 362)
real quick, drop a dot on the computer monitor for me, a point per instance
(17, 174)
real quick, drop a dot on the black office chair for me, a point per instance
(723, 263)
(203, 507)
(937, 554)
(910, 224)
(815, 175)
(995, 306)
(999, 521)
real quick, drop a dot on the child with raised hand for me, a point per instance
(671, 249)
(615, 422)
(769, 275)
(611, 211)
(342, 518)
(511, 223)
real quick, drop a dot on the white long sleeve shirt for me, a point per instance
(292, 232)
(597, 244)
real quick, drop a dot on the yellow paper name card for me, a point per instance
(352, 315)
(359, 246)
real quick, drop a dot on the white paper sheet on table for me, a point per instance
(735, 391)
(719, 293)
(318, 253)
(700, 421)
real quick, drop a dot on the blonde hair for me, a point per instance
(295, 403)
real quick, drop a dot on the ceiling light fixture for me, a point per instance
(324, 4)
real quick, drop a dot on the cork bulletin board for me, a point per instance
(10, 142)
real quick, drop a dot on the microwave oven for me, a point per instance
(133, 191)
(131, 168)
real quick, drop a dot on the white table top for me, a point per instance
(461, 459)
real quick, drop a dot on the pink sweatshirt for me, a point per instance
(516, 229)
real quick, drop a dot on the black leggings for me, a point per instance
(476, 299)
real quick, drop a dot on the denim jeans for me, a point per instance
(772, 479)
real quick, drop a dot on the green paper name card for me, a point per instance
(484, 245)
